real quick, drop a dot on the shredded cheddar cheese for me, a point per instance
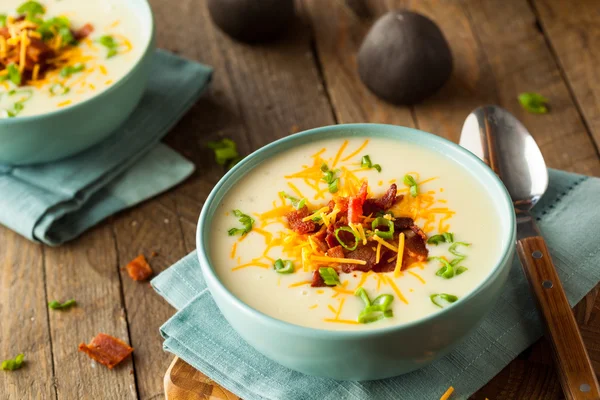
(400, 257)
(338, 260)
(447, 393)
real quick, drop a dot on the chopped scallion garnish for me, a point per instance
(362, 293)
(55, 305)
(245, 220)
(225, 152)
(381, 221)
(534, 103)
(366, 163)
(375, 310)
(329, 177)
(71, 69)
(11, 365)
(341, 242)
(58, 89)
(329, 275)
(452, 249)
(296, 203)
(412, 184)
(2, 20)
(284, 266)
(447, 270)
(110, 43)
(445, 237)
(31, 9)
(443, 299)
(13, 74)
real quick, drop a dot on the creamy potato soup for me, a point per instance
(354, 234)
(56, 53)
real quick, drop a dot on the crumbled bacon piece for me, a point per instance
(38, 52)
(297, 225)
(319, 240)
(4, 32)
(355, 204)
(106, 350)
(403, 223)
(341, 202)
(139, 269)
(336, 252)
(373, 206)
(364, 253)
(415, 249)
(332, 241)
(317, 280)
(419, 231)
(83, 32)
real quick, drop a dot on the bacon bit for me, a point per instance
(106, 350)
(366, 254)
(373, 206)
(297, 225)
(355, 204)
(317, 280)
(336, 252)
(83, 32)
(139, 269)
(403, 223)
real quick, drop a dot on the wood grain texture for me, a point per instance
(575, 370)
(87, 271)
(24, 315)
(573, 32)
(184, 382)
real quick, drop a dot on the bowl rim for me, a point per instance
(148, 47)
(283, 326)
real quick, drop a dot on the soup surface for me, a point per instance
(56, 53)
(446, 235)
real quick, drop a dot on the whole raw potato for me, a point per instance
(404, 58)
(252, 20)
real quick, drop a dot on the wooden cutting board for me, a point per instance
(531, 376)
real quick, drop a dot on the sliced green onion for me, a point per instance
(329, 275)
(11, 365)
(452, 248)
(3, 20)
(436, 239)
(284, 267)
(55, 305)
(14, 75)
(333, 186)
(448, 236)
(414, 191)
(460, 270)
(366, 163)
(412, 183)
(374, 313)
(341, 242)
(443, 299)
(245, 220)
(296, 203)
(447, 271)
(58, 89)
(362, 293)
(31, 9)
(455, 262)
(534, 103)
(383, 300)
(71, 69)
(389, 234)
(110, 43)
(225, 152)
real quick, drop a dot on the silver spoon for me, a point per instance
(500, 140)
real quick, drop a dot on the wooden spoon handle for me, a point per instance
(575, 370)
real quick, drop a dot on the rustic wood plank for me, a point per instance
(87, 270)
(23, 311)
(338, 34)
(147, 229)
(574, 34)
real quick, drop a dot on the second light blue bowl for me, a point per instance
(59, 134)
(374, 353)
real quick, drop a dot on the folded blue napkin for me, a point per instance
(570, 221)
(56, 202)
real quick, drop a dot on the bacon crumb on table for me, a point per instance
(139, 269)
(106, 350)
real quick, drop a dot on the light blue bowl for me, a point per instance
(64, 132)
(374, 353)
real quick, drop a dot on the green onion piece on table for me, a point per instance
(452, 249)
(362, 293)
(11, 365)
(225, 152)
(534, 103)
(245, 220)
(389, 234)
(55, 305)
(366, 163)
(329, 275)
(443, 299)
(284, 267)
(341, 242)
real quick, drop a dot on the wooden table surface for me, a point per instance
(260, 93)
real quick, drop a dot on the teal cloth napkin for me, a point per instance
(570, 221)
(56, 202)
